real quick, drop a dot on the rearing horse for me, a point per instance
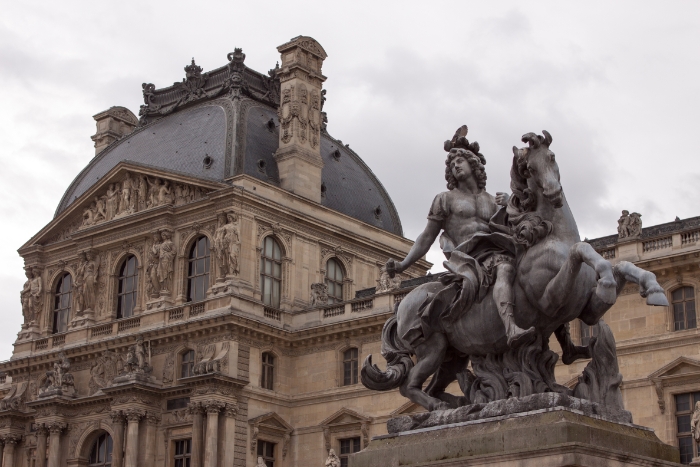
(558, 279)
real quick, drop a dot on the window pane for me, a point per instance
(268, 268)
(677, 295)
(689, 292)
(277, 270)
(268, 247)
(685, 445)
(277, 253)
(682, 402)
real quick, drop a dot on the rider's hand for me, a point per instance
(392, 267)
(502, 198)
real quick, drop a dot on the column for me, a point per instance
(8, 452)
(55, 429)
(196, 409)
(118, 421)
(133, 417)
(41, 433)
(211, 450)
(229, 441)
(152, 421)
(2, 450)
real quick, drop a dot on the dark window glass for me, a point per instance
(348, 446)
(182, 452)
(266, 450)
(62, 302)
(587, 332)
(271, 272)
(350, 367)
(268, 371)
(187, 364)
(198, 270)
(175, 404)
(126, 294)
(334, 281)
(683, 302)
(101, 452)
(685, 404)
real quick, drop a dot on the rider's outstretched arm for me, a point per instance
(423, 243)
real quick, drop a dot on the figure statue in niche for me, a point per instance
(31, 295)
(90, 271)
(79, 284)
(386, 282)
(478, 254)
(112, 203)
(695, 423)
(136, 358)
(166, 257)
(319, 294)
(153, 284)
(227, 244)
(333, 460)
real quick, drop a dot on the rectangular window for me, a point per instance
(348, 446)
(182, 452)
(685, 404)
(175, 404)
(266, 450)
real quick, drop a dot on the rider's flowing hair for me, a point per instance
(476, 162)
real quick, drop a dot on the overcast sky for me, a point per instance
(615, 83)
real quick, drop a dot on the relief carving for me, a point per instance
(169, 368)
(319, 294)
(59, 381)
(31, 296)
(86, 281)
(104, 369)
(161, 259)
(387, 283)
(227, 245)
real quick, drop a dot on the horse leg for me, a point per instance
(446, 374)
(570, 352)
(430, 355)
(505, 302)
(556, 292)
(626, 272)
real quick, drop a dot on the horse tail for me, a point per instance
(398, 359)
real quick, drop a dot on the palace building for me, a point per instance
(212, 282)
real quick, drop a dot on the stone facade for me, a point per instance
(170, 362)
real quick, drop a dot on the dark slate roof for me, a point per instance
(178, 143)
(182, 124)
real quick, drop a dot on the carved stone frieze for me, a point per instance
(59, 381)
(104, 369)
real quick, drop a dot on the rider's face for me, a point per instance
(460, 168)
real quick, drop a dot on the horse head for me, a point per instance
(535, 170)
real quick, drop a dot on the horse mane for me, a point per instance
(527, 228)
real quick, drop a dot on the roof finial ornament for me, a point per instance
(192, 71)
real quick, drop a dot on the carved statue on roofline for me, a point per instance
(517, 272)
(629, 225)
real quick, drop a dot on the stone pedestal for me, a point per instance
(558, 437)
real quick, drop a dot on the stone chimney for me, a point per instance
(113, 124)
(299, 154)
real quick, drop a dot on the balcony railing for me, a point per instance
(176, 313)
(361, 306)
(131, 323)
(272, 313)
(196, 309)
(102, 330)
(58, 339)
(334, 311)
(608, 254)
(657, 244)
(690, 237)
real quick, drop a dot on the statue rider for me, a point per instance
(480, 253)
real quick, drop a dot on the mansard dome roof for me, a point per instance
(216, 125)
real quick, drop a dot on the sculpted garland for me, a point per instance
(517, 272)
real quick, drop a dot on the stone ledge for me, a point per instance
(555, 437)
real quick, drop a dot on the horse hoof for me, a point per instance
(657, 299)
(606, 292)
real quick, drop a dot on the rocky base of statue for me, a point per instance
(542, 438)
(506, 407)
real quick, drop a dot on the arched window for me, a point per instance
(350, 366)
(198, 270)
(268, 371)
(187, 364)
(683, 301)
(334, 280)
(62, 302)
(271, 272)
(101, 452)
(126, 293)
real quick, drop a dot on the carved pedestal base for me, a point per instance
(28, 332)
(224, 286)
(136, 378)
(695, 461)
(64, 391)
(159, 302)
(543, 438)
(82, 319)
